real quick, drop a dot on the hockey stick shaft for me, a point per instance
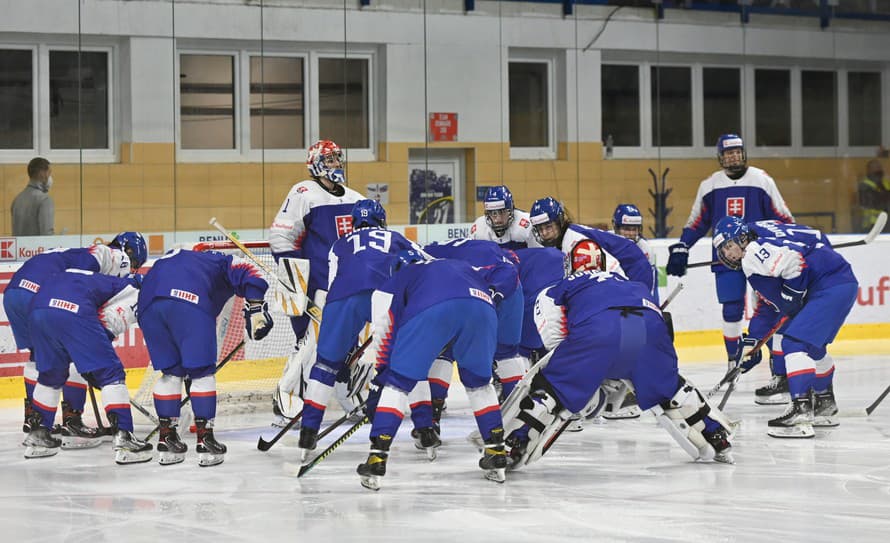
(870, 409)
(188, 396)
(672, 295)
(264, 445)
(734, 372)
(876, 229)
(312, 309)
(332, 447)
(95, 408)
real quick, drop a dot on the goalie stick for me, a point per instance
(876, 229)
(188, 396)
(264, 445)
(312, 308)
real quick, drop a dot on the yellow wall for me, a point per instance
(148, 191)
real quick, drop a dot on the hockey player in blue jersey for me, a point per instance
(539, 268)
(315, 213)
(74, 318)
(798, 275)
(736, 190)
(502, 223)
(497, 267)
(554, 228)
(424, 307)
(600, 325)
(359, 263)
(126, 253)
(181, 297)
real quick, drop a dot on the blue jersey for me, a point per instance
(539, 268)
(495, 264)
(419, 286)
(599, 292)
(633, 261)
(361, 261)
(793, 256)
(205, 279)
(98, 258)
(80, 293)
(753, 197)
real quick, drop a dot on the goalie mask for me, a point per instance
(731, 237)
(368, 214)
(134, 245)
(549, 221)
(731, 154)
(325, 161)
(586, 255)
(628, 221)
(498, 205)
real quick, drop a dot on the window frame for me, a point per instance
(40, 145)
(550, 60)
(243, 152)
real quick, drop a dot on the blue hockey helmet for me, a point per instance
(368, 213)
(544, 212)
(325, 160)
(627, 221)
(134, 245)
(735, 164)
(498, 206)
(403, 258)
(731, 229)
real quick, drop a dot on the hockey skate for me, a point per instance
(719, 440)
(210, 451)
(621, 402)
(796, 422)
(39, 443)
(773, 393)
(426, 439)
(825, 409)
(26, 425)
(494, 457)
(308, 442)
(279, 419)
(128, 449)
(75, 435)
(375, 466)
(171, 449)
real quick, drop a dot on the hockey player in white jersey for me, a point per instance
(627, 222)
(502, 223)
(748, 193)
(314, 215)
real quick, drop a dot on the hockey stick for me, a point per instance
(103, 430)
(671, 296)
(264, 445)
(188, 395)
(731, 375)
(876, 229)
(868, 410)
(312, 309)
(332, 447)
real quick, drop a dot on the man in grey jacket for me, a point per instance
(33, 210)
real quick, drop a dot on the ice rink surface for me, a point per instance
(620, 481)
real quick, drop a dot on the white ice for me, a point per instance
(621, 481)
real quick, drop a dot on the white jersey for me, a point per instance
(112, 261)
(518, 235)
(572, 237)
(644, 246)
(310, 220)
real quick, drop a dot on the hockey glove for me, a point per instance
(678, 259)
(791, 300)
(748, 357)
(257, 319)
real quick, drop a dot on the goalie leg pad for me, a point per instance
(543, 415)
(620, 400)
(293, 379)
(683, 416)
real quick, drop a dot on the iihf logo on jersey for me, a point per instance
(344, 225)
(735, 206)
